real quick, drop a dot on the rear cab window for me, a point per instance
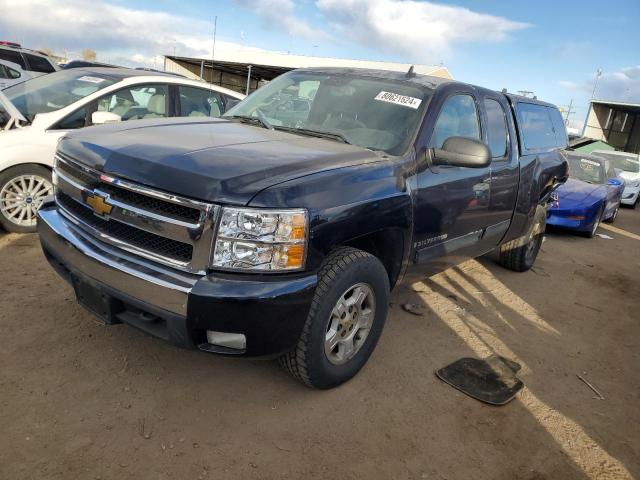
(540, 127)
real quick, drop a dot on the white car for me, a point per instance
(629, 166)
(35, 114)
(32, 61)
(11, 73)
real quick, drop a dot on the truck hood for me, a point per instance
(213, 160)
(577, 191)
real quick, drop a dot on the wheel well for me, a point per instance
(387, 246)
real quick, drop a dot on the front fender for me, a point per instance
(25, 151)
(345, 204)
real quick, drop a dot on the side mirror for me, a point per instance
(99, 118)
(462, 152)
(615, 182)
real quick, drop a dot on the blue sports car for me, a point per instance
(591, 195)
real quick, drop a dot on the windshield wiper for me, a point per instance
(260, 119)
(316, 133)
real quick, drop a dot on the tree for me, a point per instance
(47, 51)
(88, 55)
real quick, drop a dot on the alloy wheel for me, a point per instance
(22, 196)
(350, 323)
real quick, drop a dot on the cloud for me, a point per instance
(622, 85)
(281, 14)
(422, 30)
(118, 34)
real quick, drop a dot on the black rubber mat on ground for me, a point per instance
(492, 380)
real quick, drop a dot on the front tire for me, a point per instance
(345, 321)
(23, 188)
(596, 223)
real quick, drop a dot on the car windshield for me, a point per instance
(54, 91)
(628, 162)
(378, 114)
(590, 171)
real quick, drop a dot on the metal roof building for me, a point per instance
(615, 123)
(245, 70)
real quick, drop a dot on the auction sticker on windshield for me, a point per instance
(91, 79)
(396, 99)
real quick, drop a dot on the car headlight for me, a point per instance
(264, 240)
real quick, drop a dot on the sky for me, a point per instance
(551, 47)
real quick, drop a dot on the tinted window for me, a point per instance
(558, 127)
(12, 56)
(3, 72)
(458, 118)
(11, 73)
(73, 121)
(140, 101)
(39, 64)
(496, 128)
(197, 102)
(535, 126)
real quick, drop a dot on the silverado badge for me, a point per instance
(98, 204)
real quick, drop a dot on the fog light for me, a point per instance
(236, 341)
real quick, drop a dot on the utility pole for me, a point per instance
(595, 84)
(213, 50)
(569, 112)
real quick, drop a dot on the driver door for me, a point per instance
(452, 202)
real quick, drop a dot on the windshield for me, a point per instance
(590, 171)
(628, 162)
(373, 113)
(54, 91)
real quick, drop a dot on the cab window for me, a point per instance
(458, 118)
(535, 126)
(496, 128)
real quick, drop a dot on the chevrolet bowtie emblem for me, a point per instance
(98, 204)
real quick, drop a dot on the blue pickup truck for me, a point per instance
(279, 229)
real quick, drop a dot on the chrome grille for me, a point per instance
(163, 227)
(166, 247)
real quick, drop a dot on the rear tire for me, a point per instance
(518, 256)
(22, 190)
(337, 340)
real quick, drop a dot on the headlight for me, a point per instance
(54, 175)
(253, 239)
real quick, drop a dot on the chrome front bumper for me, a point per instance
(144, 281)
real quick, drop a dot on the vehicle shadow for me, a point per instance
(491, 318)
(91, 396)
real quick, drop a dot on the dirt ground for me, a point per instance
(79, 400)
